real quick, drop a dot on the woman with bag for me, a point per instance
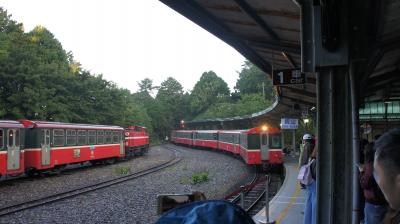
(307, 176)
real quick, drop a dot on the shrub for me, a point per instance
(123, 170)
(200, 177)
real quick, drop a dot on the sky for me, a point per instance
(129, 40)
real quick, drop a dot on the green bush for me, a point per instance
(123, 170)
(200, 177)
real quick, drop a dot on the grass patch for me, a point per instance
(123, 170)
(200, 177)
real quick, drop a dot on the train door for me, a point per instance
(13, 149)
(264, 146)
(45, 143)
(121, 146)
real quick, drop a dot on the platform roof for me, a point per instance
(268, 34)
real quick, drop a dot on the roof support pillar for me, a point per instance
(334, 166)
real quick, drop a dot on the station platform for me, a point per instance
(288, 204)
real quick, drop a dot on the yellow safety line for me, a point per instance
(282, 214)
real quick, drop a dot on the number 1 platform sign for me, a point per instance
(288, 77)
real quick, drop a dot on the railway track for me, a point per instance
(89, 188)
(254, 192)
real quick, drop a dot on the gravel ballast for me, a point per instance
(134, 201)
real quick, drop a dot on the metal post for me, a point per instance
(267, 197)
(267, 220)
(242, 196)
(294, 139)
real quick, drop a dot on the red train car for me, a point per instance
(258, 146)
(52, 145)
(136, 141)
(229, 141)
(206, 138)
(12, 153)
(182, 137)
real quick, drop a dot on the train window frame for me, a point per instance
(17, 137)
(271, 146)
(108, 137)
(92, 137)
(63, 137)
(1, 138)
(10, 131)
(100, 136)
(116, 134)
(81, 138)
(71, 136)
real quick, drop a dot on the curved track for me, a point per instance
(93, 187)
(254, 192)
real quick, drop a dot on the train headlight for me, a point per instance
(264, 128)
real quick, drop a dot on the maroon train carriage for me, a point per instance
(206, 138)
(182, 137)
(136, 141)
(261, 146)
(11, 147)
(229, 141)
(52, 145)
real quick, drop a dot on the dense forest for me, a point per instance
(39, 80)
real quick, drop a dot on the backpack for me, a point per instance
(305, 175)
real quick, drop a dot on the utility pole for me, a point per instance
(263, 90)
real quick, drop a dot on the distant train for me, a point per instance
(257, 146)
(38, 146)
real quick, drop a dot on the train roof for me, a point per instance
(10, 124)
(48, 124)
(207, 131)
(231, 131)
(184, 130)
(257, 130)
(134, 126)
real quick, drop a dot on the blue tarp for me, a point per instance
(209, 211)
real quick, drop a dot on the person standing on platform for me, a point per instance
(387, 172)
(375, 206)
(309, 153)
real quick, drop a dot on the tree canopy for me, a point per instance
(207, 91)
(39, 80)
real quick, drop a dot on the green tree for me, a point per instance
(207, 91)
(170, 98)
(252, 79)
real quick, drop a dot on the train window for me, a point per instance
(17, 137)
(1, 138)
(47, 136)
(10, 138)
(275, 141)
(214, 136)
(116, 136)
(58, 137)
(108, 137)
(100, 137)
(138, 129)
(71, 137)
(263, 139)
(82, 137)
(253, 141)
(92, 137)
